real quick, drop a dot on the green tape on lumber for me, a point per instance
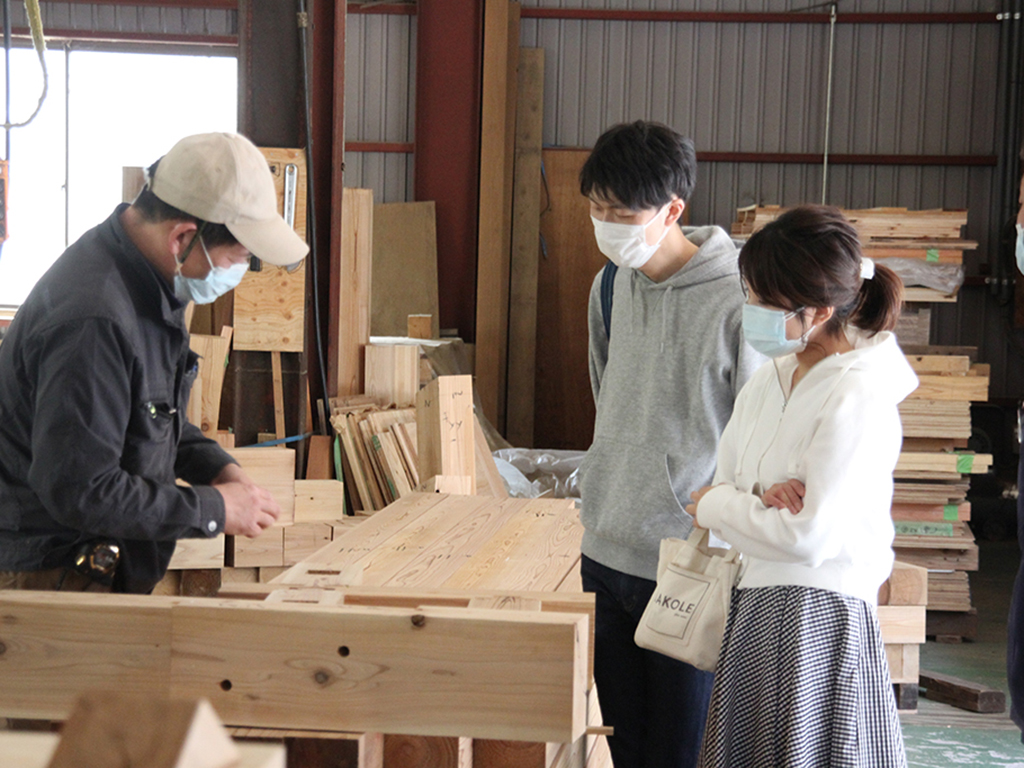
(932, 255)
(951, 512)
(965, 463)
(337, 468)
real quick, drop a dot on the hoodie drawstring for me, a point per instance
(664, 316)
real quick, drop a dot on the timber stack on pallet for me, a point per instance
(930, 508)
(933, 237)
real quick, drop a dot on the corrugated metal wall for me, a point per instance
(380, 63)
(132, 19)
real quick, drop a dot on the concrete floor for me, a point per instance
(942, 736)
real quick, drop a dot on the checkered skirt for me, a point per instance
(802, 681)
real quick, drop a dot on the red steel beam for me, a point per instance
(758, 18)
(449, 46)
(387, 9)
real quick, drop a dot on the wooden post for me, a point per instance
(522, 330)
(445, 429)
(354, 288)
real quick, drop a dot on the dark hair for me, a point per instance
(811, 257)
(153, 209)
(642, 165)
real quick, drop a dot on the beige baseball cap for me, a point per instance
(224, 179)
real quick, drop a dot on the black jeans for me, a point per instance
(657, 705)
(1015, 624)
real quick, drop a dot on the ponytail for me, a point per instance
(881, 299)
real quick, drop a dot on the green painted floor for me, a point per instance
(941, 736)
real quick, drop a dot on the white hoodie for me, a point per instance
(839, 433)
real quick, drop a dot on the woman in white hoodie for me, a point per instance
(803, 489)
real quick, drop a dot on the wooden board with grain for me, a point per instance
(213, 363)
(445, 429)
(355, 285)
(517, 675)
(270, 305)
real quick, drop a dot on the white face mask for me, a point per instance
(626, 244)
(206, 290)
(1020, 248)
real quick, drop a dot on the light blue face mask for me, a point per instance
(765, 330)
(1020, 248)
(206, 290)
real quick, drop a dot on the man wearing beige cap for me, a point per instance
(95, 375)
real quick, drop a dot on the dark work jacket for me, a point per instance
(95, 375)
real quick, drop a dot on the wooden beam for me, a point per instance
(962, 693)
(430, 671)
(354, 288)
(494, 239)
(393, 373)
(445, 429)
(526, 206)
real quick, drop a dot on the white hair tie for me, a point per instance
(867, 268)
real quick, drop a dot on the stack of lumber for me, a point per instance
(902, 600)
(379, 446)
(933, 236)
(930, 508)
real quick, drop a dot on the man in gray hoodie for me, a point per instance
(665, 367)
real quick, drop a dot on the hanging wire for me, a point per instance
(828, 103)
(35, 23)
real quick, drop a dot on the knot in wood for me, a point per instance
(3, 647)
(419, 620)
(321, 677)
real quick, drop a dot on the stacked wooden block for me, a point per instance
(931, 236)
(930, 508)
(310, 512)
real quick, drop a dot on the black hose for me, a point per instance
(304, 21)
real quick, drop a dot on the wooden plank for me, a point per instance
(565, 409)
(404, 267)
(393, 373)
(213, 353)
(319, 500)
(132, 180)
(494, 227)
(906, 585)
(959, 388)
(275, 364)
(303, 539)
(445, 417)
(319, 463)
(902, 623)
(962, 693)
(404, 751)
(265, 550)
(940, 559)
(904, 662)
(526, 207)
(198, 553)
(435, 671)
(270, 305)
(939, 364)
(45, 636)
(355, 268)
(963, 462)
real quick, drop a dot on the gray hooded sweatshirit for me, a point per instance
(664, 389)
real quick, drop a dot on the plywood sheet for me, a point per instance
(270, 305)
(404, 267)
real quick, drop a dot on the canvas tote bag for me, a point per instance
(685, 618)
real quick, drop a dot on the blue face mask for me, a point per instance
(205, 290)
(765, 331)
(1020, 248)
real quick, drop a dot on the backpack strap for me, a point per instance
(607, 294)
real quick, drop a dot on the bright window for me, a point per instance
(104, 111)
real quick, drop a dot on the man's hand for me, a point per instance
(788, 495)
(697, 496)
(248, 509)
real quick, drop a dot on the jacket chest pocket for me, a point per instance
(150, 442)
